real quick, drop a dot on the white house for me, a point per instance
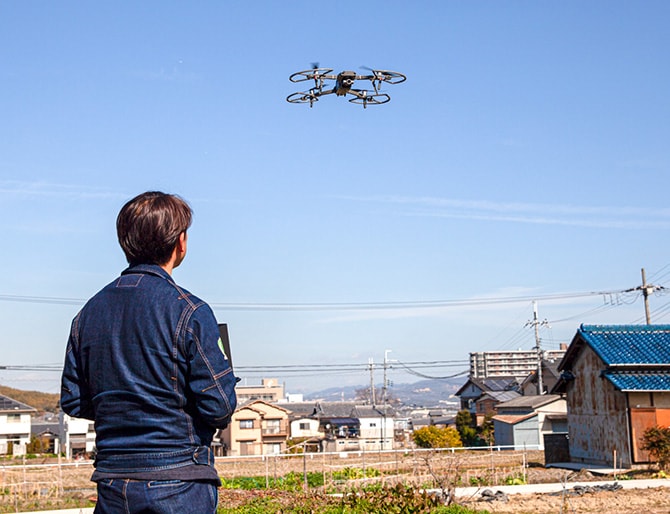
(377, 427)
(77, 436)
(14, 426)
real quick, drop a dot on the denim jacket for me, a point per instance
(143, 362)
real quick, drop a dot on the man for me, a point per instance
(145, 362)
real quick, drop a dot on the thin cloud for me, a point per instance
(20, 188)
(617, 217)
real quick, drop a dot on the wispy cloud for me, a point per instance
(176, 72)
(617, 217)
(18, 188)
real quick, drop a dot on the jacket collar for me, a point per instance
(148, 269)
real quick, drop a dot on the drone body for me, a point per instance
(344, 82)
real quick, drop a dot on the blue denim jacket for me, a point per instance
(143, 361)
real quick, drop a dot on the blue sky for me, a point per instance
(525, 157)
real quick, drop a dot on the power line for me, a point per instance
(272, 369)
(32, 367)
(315, 306)
(412, 371)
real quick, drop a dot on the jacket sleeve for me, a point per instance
(75, 398)
(211, 380)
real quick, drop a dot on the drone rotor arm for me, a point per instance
(390, 77)
(303, 97)
(313, 74)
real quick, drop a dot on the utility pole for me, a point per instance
(538, 347)
(646, 291)
(385, 388)
(385, 399)
(372, 383)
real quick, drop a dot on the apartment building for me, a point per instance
(516, 363)
(270, 390)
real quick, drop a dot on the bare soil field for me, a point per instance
(44, 485)
(634, 501)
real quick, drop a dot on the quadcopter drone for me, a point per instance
(344, 82)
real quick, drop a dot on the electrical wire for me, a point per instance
(422, 375)
(420, 304)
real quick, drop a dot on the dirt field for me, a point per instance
(648, 501)
(42, 485)
(645, 500)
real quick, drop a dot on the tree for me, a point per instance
(656, 440)
(465, 429)
(363, 395)
(486, 431)
(437, 437)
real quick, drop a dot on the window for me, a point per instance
(13, 418)
(246, 424)
(304, 426)
(272, 426)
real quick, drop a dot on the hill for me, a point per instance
(43, 402)
(425, 393)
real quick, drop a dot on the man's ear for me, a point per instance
(181, 242)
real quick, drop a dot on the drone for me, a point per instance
(343, 86)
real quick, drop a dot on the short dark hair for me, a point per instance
(149, 226)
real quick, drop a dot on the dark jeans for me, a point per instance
(119, 496)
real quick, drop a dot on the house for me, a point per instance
(376, 426)
(303, 425)
(550, 377)
(523, 422)
(256, 428)
(475, 388)
(77, 436)
(486, 405)
(339, 425)
(616, 379)
(45, 431)
(14, 426)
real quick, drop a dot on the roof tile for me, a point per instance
(629, 344)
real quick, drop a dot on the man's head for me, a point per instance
(150, 226)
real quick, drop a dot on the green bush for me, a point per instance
(355, 473)
(290, 482)
(656, 440)
(437, 437)
(516, 479)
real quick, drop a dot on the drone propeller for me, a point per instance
(315, 65)
(377, 80)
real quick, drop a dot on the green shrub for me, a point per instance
(656, 440)
(355, 473)
(516, 479)
(292, 481)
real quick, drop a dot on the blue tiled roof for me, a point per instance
(629, 344)
(632, 381)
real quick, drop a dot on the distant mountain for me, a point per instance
(425, 393)
(43, 402)
(422, 394)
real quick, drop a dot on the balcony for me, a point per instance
(275, 428)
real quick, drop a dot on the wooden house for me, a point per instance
(616, 381)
